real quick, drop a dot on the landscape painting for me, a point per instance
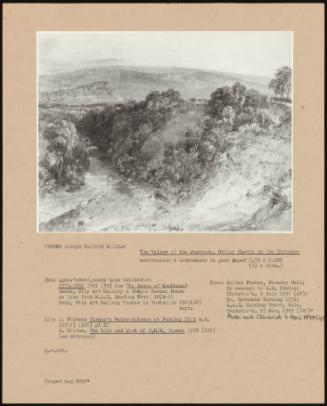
(187, 131)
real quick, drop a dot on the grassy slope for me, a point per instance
(173, 132)
(117, 84)
(238, 196)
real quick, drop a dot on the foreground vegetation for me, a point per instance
(130, 138)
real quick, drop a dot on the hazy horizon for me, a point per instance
(257, 53)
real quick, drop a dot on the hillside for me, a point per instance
(120, 84)
(163, 150)
(250, 189)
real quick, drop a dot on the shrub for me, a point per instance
(66, 159)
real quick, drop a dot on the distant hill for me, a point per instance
(121, 83)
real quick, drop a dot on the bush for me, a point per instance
(124, 135)
(255, 100)
(66, 159)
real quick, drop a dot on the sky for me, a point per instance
(245, 52)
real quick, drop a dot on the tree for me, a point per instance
(57, 140)
(254, 99)
(282, 83)
(193, 137)
(233, 97)
(228, 117)
(220, 98)
(172, 95)
(67, 159)
(152, 99)
(166, 99)
(239, 92)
